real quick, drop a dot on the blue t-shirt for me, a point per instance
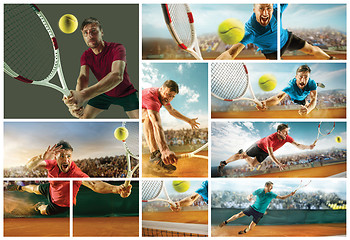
(203, 191)
(262, 199)
(296, 93)
(263, 37)
(283, 32)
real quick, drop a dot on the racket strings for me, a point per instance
(27, 45)
(181, 24)
(132, 140)
(151, 189)
(229, 80)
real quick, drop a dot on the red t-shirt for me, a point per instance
(273, 141)
(59, 190)
(101, 65)
(150, 99)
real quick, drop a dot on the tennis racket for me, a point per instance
(151, 191)
(324, 129)
(193, 154)
(302, 184)
(179, 20)
(230, 82)
(31, 51)
(130, 149)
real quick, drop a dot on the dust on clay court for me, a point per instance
(15, 206)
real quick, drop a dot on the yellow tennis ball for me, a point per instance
(267, 82)
(181, 186)
(231, 31)
(338, 139)
(68, 23)
(121, 133)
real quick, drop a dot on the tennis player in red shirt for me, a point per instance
(152, 100)
(107, 62)
(265, 147)
(57, 160)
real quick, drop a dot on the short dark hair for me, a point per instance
(172, 85)
(65, 145)
(304, 68)
(268, 183)
(282, 126)
(90, 20)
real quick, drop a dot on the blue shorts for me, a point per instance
(103, 101)
(250, 211)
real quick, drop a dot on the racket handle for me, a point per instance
(184, 155)
(257, 102)
(315, 142)
(127, 183)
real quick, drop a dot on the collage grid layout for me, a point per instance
(207, 159)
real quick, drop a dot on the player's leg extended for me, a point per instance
(233, 218)
(134, 114)
(252, 161)
(31, 189)
(315, 51)
(91, 112)
(249, 228)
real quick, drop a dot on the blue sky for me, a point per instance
(315, 16)
(207, 17)
(23, 140)
(229, 137)
(280, 185)
(192, 100)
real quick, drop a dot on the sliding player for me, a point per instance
(107, 62)
(265, 147)
(57, 160)
(261, 30)
(263, 198)
(298, 89)
(152, 100)
(188, 201)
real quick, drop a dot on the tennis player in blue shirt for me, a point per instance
(298, 89)
(261, 30)
(263, 198)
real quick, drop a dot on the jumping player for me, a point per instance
(152, 100)
(188, 201)
(261, 30)
(298, 89)
(57, 160)
(107, 62)
(263, 198)
(265, 147)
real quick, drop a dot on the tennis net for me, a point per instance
(171, 229)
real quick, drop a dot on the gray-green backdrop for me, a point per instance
(120, 23)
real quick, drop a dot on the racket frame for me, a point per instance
(193, 154)
(57, 67)
(168, 200)
(322, 134)
(194, 40)
(249, 86)
(301, 185)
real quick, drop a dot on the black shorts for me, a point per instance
(103, 101)
(302, 102)
(271, 56)
(293, 43)
(51, 208)
(257, 216)
(255, 151)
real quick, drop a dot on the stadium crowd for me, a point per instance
(301, 200)
(109, 166)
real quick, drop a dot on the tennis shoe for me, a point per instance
(243, 231)
(156, 159)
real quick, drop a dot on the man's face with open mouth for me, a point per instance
(302, 78)
(64, 159)
(263, 13)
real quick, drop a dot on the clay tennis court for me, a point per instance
(317, 113)
(302, 230)
(200, 217)
(59, 227)
(186, 167)
(106, 227)
(317, 172)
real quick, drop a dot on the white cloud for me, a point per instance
(190, 94)
(180, 68)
